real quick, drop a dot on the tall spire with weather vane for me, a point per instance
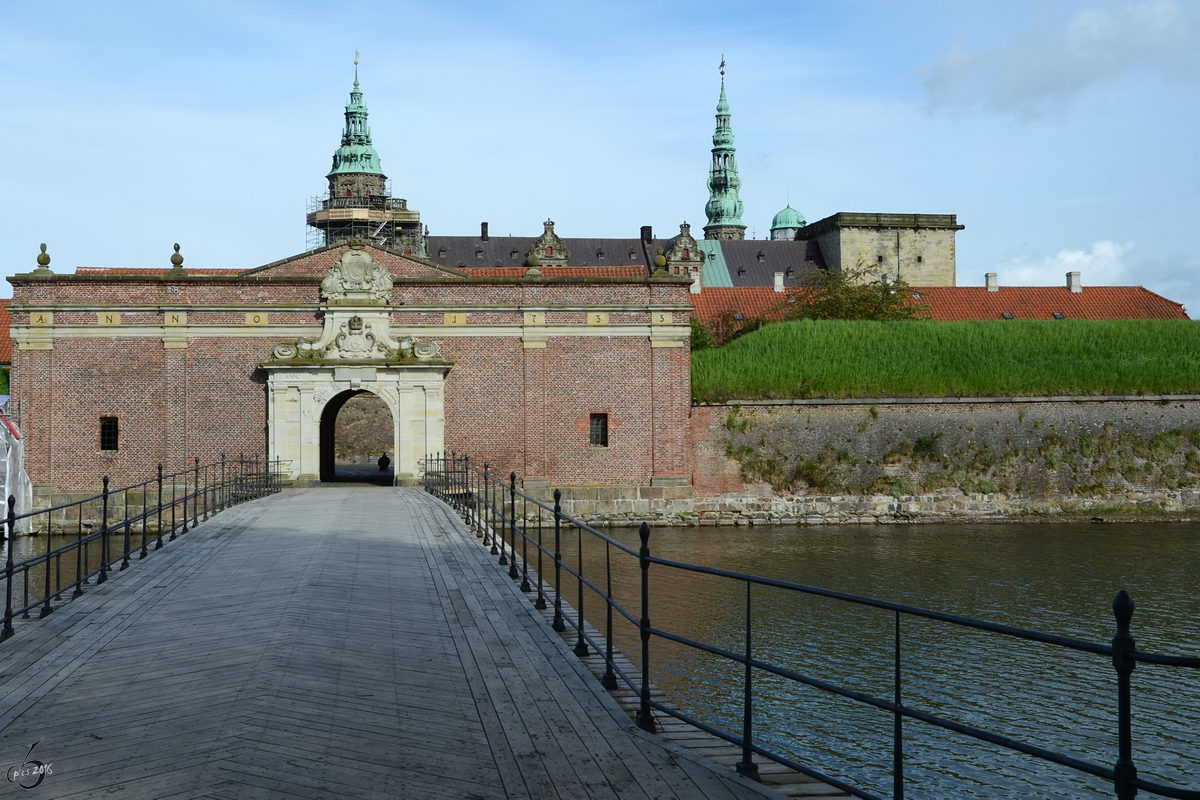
(356, 181)
(724, 207)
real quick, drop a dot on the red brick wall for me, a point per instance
(522, 410)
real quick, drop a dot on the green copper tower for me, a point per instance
(724, 208)
(359, 205)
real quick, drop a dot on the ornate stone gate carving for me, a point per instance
(355, 352)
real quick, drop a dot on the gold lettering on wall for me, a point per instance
(597, 318)
(41, 318)
(108, 318)
(456, 318)
(175, 318)
(256, 318)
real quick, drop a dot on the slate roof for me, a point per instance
(952, 303)
(5, 338)
(760, 259)
(627, 271)
(471, 252)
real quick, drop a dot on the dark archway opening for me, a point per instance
(356, 429)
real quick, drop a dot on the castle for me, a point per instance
(563, 360)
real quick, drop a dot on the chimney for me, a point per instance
(992, 284)
(1073, 283)
(647, 233)
(483, 231)
(779, 281)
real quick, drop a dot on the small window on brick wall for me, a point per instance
(109, 433)
(598, 430)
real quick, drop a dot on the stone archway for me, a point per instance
(329, 447)
(299, 397)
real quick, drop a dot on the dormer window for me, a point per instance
(513, 254)
(741, 270)
(712, 256)
(632, 255)
(738, 317)
(1007, 315)
(479, 254)
(1059, 315)
(762, 256)
(600, 254)
(441, 252)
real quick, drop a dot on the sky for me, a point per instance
(1063, 134)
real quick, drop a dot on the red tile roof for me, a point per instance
(148, 271)
(626, 271)
(749, 301)
(957, 303)
(953, 303)
(5, 339)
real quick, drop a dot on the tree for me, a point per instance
(853, 294)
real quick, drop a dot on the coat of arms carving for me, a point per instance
(357, 276)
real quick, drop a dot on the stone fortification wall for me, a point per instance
(919, 246)
(890, 461)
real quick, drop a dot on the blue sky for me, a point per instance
(1063, 134)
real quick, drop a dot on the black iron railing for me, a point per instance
(490, 506)
(108, 529)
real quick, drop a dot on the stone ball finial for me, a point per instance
(532, 261)
(660, 261)
(176, 259)
(43, 258)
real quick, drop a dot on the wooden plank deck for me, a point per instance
(322, 643)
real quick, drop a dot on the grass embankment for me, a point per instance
(831, 358)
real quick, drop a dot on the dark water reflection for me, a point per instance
(1055, 578)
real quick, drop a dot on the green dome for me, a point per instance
(788, 218)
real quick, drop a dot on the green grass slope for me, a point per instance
(833, 358)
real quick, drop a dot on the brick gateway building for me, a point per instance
(523, 371)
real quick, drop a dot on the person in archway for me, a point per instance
(384, 462)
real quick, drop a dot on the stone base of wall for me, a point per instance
(768, 509)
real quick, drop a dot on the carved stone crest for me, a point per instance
(357, 276)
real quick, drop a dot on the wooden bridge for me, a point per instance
(331, 642)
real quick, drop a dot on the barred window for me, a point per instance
(109, 433)
(599, 430)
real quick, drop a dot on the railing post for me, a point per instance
(581, 647)
(609, 680)
(158, 544)
(46, 607)
(503, 522)
(78, 552)
(644, 720)
(747, 766)
(104, 537)
(512, 526)
(525, 587)
(10, 534)
(558, 623)
(196, 482)
(472, 500)
(897, 726)
(540, 603)
(1123, 647)
(125, 558)
(489, 535)
(145, 521)
(184, 529)
(223, 494)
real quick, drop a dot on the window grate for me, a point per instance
(598, 430)
(109, 431)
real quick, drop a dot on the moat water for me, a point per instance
(1054, 578)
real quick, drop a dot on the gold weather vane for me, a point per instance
(356, 59)
(722, 65)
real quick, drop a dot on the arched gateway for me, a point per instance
(354, 353)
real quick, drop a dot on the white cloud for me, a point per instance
(1103, 265)
(1047, 66)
